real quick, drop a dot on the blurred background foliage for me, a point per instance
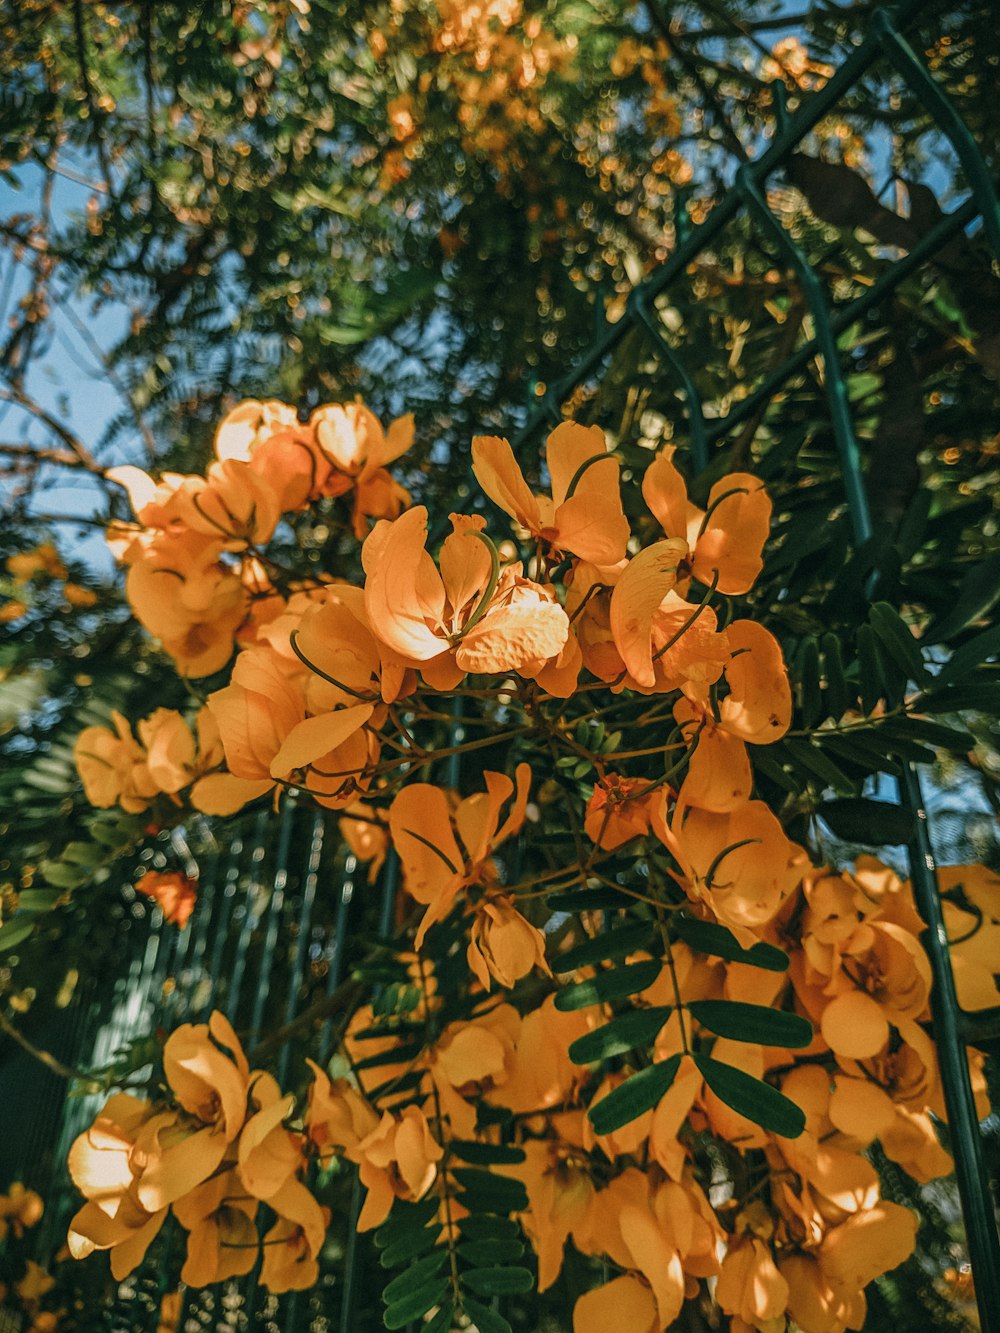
(438, 205)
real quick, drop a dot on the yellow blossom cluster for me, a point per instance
(724, 990)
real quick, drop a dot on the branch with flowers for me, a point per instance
(627, 1009)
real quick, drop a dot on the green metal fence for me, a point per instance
(272, 935)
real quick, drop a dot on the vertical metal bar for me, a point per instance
(336, 964)
(222, 921)
(302, 943)
(250, 918)
(273, 917)
(836, 387)
(978, 1210)
(695, 412)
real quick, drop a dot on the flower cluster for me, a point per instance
(693, 1044)
(28, 572)
(213, 1153)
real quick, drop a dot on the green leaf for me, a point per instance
(752, 1022)
(485, 1319)
(612, 985)
(477, 1227)
(609, 945)
(486, 1154)
(634, 1097)
(405, 1218)
(64, 876)
(417, 1274)
(17, 930)
(83, 854)
(837, 695)
(978, 593)
(628, 1032)
(894, 635)
(806, 755)
(974, 695)
(38, 900)
(417, 1303)
(442, 1322)
(498, 1281)
(810, 699)
(483, 1252)
(408, 1246)
(942, 737)
(750, 1097)
(869, 672)
(489, 1193)
(971, 655)
(707, 937)
(400, 1054)
(873, 823)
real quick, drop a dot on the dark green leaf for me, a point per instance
(895, 636)
(970, 655)
(612, 985)
(490, 1193)
(477, 1227)
(416, 1274)
(808, 756)
(634, 1097)
(869, 672)
(750, 1097)
(486, 1154)
(628, 1032)
(979, 591)
(482, 1252)
(498, 1281)
(442, 1322)
(408, 1246)
(873, 823)
(707, 937)
(415, 1304)
(980, 696)
(837, 695)
(810, 699)
(16, 931)
(753, 1022)
(405, 1218)
(395, 1055)
(485, 1319)
(609, 945)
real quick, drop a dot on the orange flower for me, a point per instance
(113, 767)
(503, 944)
(20, 1209)
(291, 1247)
(619, 810)
(560, 1195)
(757, 710)
(174, 893)
(727, 540)
(337, 1116)
(265, 731)
(184, 597)
(739, 863)
(223, 1241)
(459, 615)
(100, 1164)
(398, 1161)
(584, 516)
(750, 1286)
(353, 441)
(426, 837)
